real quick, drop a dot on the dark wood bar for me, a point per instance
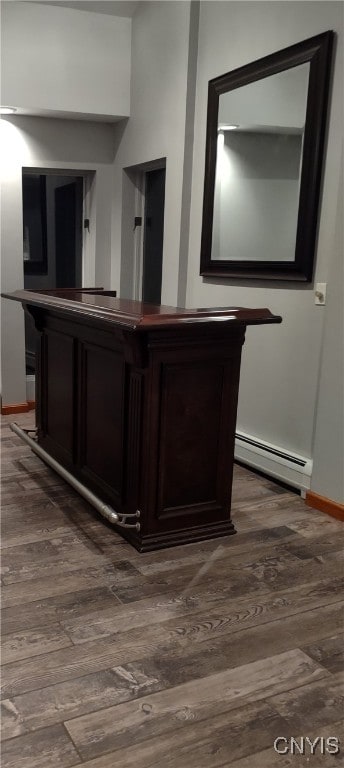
(139, 403)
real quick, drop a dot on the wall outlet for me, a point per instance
(320, 293)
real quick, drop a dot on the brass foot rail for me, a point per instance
(105, 510)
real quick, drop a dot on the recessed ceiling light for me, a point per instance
(228, 127)
(7, 110)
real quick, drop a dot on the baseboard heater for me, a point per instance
(288, 467)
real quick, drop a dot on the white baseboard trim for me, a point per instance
(30, 387)
(290, 468)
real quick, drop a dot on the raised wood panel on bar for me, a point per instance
(58, 385)
(134, 440)
(102, 416)
(189, 437)
(139, 402)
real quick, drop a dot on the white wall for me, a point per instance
(328, 473)
(35, 142)
(65, 60)
(281, 364)
(156, 129)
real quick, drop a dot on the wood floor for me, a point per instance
(193, 657)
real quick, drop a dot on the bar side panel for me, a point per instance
(189, 438)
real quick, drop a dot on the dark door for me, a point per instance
(68, 228)
(153, 236)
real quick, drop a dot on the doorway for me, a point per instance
(52, 239)
(68, 234)
(142, 231)
(153, 235)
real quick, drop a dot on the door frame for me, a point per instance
(154, 206)
(140, 201)
(132, 239)
(88, 247)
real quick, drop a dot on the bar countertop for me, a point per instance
(137, 315)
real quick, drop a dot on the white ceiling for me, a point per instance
(119, 8)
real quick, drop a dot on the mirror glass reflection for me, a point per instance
(258, 168)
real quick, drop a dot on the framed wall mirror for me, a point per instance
(265, 138)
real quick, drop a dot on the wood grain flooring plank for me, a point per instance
(57, 566)
(196, 660)
(253, 613)
(248, 524)
(310, 527)
(276, 569)
(20, 518)
(20, 465)
(76, 661)
(270, 513)
(63, 607)
(273, 557)
(328, 652)
(112, 575)
(213, 608)
(10, 470)
(207, 743)
(73, 698)
(332, 613)
(47, 748)
(283, 572)
(18, 491)
(30, 534)
(42, 480)
(33, 642)
(188, 580)
(270, 759)
(13, 492)
(249, 491)
(190, 554)
(73, 545)
(153, 610)
(328, 542)
(337, 556)
(178, 657)
(11, 720)
(17, 556)
(40, 509)
(173, 709)
(261, 505)
(312, 705)
(55, 556)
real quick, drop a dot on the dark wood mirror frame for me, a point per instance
(316, 51)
